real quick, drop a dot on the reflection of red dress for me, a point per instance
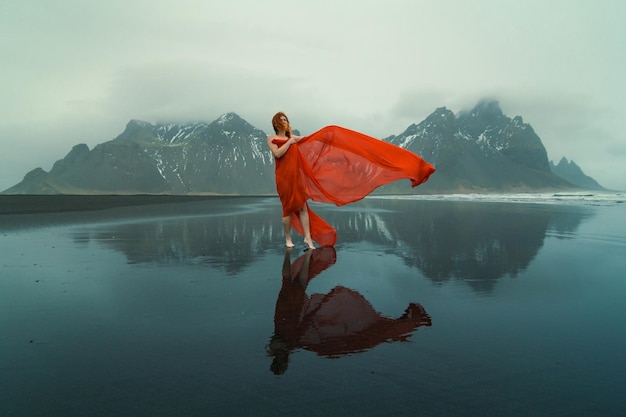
(338, 323)
(340, 166)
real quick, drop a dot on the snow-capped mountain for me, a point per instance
(476, 150)
(480, 150)
(227, 156)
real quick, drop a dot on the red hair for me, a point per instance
(277, 124)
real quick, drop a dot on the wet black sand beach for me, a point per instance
(26, 204)
(160, 306)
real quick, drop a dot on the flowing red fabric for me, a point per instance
(339, 166)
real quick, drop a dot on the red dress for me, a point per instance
(339, 166)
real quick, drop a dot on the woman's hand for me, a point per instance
(279, 151)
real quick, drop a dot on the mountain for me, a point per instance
(571, 172)
(480, 150)
(227, 156)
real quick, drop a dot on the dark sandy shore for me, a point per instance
(27, 204)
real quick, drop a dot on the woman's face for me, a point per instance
(284, 122)
(280, 122)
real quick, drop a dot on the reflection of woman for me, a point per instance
(333, 165)
(291, 298)
(338, 323)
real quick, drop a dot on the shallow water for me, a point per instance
(425, 307)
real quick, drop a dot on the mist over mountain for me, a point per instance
(480, 150)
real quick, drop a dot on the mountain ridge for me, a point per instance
(570, 171)
(477, 150)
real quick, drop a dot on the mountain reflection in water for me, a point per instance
(470, 241)
(474, 242)
(338, 323)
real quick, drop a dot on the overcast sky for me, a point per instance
(76, 71)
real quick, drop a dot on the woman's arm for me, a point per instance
(279, 151)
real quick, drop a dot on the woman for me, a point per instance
(288, 178)
(333, 165)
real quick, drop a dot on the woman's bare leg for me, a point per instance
(304, 220)
(287, 228)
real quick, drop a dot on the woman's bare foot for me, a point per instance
(309, 243)
(289, 243)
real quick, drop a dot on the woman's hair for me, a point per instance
(277, 124)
